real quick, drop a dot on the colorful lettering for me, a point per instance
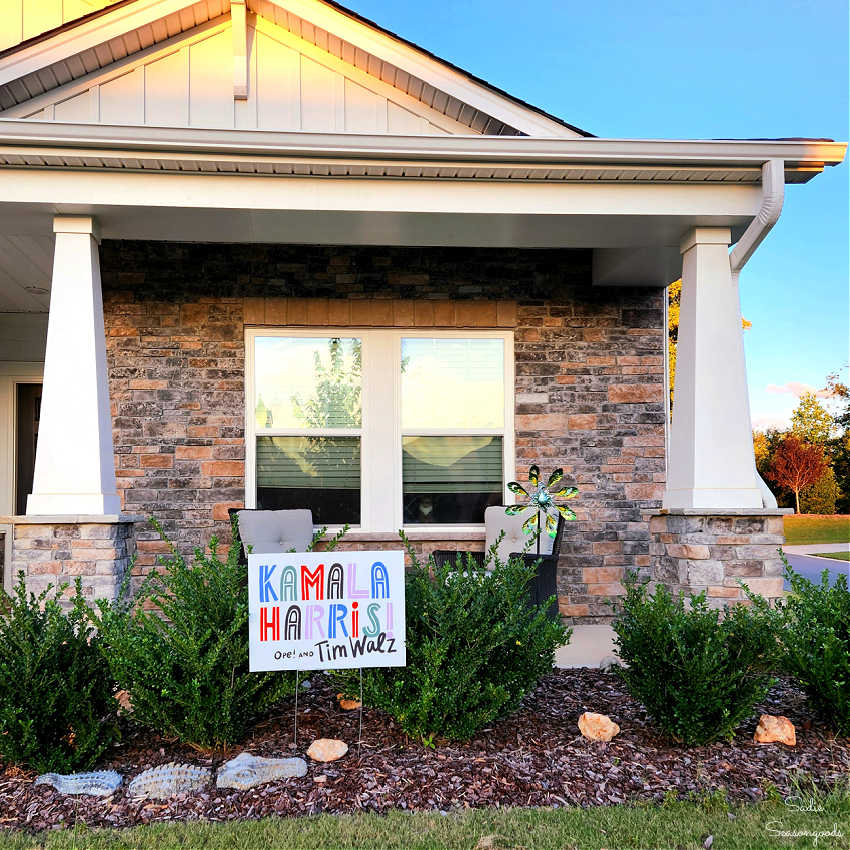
(269, 624)
(267, 593)
(288, 585)
(380, 581)
(315, 579)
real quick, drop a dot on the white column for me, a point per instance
(711, 463)
(74, 465)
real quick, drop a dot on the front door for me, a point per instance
(28, 413)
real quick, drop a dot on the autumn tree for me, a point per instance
(810, 421)
(796, 465)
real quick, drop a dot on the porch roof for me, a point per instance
(28, 144)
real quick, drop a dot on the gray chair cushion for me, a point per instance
(496, 521)
(275, 531)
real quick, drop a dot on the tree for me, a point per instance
(838, 447)
(810, 421)
(840, 392)
(797, 465)
(674, 302)
(820, 497)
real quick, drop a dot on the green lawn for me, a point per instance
(673, 825)
(800, 529)
(837, 556)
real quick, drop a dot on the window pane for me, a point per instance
(319, 473)
(450, 479)
(305, 382)
(452, 383)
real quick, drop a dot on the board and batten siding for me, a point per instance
(23, 19)
(293, 85)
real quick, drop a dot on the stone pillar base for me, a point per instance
(53, 550)
(693, 551)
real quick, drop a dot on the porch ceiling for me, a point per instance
(629, 200)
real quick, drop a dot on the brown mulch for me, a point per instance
(534, 758)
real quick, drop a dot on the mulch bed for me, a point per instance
(534, 758)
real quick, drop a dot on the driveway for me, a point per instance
(802, 560)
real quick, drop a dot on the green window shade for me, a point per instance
(319, 473)
(450, 479)
(290, 462)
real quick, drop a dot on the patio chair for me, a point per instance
(273, 531)
(496, 521)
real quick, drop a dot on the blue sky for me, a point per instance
(682, 70)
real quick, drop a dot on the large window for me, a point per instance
(380, 428)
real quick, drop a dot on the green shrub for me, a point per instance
(698, 671)
(57, 710)
(180, 649)
(816, 643)
(475, 647)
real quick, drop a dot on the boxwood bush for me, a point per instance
(698, 671)
(180, 649)
(815, 637)
(475, 647)
(57, 709)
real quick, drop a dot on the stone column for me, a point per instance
(710, 464)
(715, 553)
(74, 465)
(56, 550)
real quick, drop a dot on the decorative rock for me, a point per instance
(597, 727)
(347, 704)
(246, 771)
(98, 783)
(775, 728)
(169, 780)
(327, 749)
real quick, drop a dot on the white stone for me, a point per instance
(246, 771)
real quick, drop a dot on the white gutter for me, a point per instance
(773, 197)
(808, 156)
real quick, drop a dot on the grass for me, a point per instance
(836, 556)
(805, 528)
(676, 824)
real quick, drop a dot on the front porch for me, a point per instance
(148, 405)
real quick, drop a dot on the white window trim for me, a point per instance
(380, 449)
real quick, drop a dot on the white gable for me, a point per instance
(284, 65)
(188, 82)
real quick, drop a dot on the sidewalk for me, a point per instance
(816, 548)
(590, 646)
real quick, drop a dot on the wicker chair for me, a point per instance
(544, 584)
(272, 531)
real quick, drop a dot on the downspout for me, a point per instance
(773, 196)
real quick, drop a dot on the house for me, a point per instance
(267, 253)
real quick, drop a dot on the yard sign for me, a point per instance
(326, 610)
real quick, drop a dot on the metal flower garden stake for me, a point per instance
(542, 501)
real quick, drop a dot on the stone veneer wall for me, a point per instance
(714, 553)
(590, 392)
(57, 552)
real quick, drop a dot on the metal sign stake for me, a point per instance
(297, 688)
(360, 712)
